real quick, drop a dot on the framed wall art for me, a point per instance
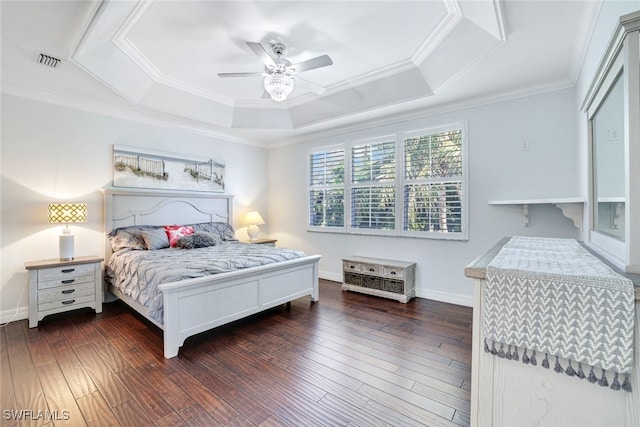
(140, 168)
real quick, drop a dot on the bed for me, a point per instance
(195, 305)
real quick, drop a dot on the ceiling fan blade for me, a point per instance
(241, 74)
(310, 64)
(306, 84)
(259, 50)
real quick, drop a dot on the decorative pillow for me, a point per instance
(175, 232)
(155, 238)
(129, 237)
(221, 229)
(197, 240)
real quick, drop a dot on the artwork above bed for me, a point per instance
(140, 168)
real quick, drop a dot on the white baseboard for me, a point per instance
(458, 299)
(13, 314)
(327, 275)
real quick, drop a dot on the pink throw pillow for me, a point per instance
(175, 232)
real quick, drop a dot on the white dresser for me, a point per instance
(505, 393)
(380, 277)
(57, 286)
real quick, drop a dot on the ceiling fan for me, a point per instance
(279, 72)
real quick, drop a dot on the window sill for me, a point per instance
(404, 234)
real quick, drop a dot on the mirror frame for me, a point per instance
(622, 56)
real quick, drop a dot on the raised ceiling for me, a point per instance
(161, 58)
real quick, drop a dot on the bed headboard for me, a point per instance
(132, 206)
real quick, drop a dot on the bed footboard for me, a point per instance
(197, 305)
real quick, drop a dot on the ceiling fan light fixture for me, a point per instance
(278, 85)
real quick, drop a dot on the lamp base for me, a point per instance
(66, 247)
(253, 231)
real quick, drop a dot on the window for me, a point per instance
(409, 184)
(373, 174)
(326, 193)
(433, 182)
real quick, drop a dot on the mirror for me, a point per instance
(607, 126)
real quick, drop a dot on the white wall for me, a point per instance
(51, 153)
(498, 169)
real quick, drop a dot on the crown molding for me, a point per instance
(588, 22)
(373, 119)
(462, 71)
(121, 41)
(129, 113)
(439, 33)
(500, 20)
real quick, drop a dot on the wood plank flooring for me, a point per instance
(350, 359)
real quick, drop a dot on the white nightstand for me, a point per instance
(56, 286)
(267, 242)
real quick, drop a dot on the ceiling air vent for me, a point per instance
(48, 60)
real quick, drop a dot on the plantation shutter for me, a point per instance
(326, 188)
(373, 174)
(433, 182)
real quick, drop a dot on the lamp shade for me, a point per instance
(67, 213)
(253, 218)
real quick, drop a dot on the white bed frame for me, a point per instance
(196, 305)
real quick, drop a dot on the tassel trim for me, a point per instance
(512, 354)
(545, 362)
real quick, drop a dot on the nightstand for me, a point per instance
(266, 242)
(57, 286)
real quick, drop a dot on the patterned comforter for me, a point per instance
(137, 273)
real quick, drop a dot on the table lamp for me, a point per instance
(67, 213)
(252, 221)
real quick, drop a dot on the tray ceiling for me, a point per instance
(162, 57)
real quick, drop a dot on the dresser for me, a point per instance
(380, 277)
(507, 393)
(57, 286)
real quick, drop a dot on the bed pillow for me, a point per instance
(155, 238)
(129, 237)
(197, 240)
(223, 230)
(175, 232)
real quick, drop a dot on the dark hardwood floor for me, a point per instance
(350, 359)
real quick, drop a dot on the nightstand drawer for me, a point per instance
(66, 271)
(67, 280)
(67, 302)
(66, 292)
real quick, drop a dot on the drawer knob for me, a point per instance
(372, 269)
(393, 273)
(69, 301)
(68, 270)
(66, 282)
(352, 266)
(69, 291)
